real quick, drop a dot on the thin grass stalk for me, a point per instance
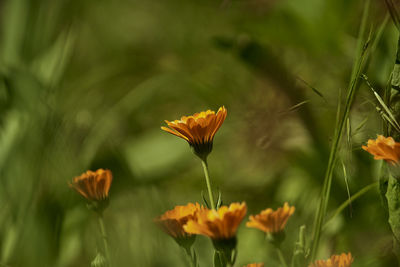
(379, 33)
(357, 67)
(386, 99)
(384, 109)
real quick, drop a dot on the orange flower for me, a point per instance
(93, 186)
(343, 260)
(198, 130)
(271, 221)
(254, 265)
(384, 148)
(218, 224)
(172, 221)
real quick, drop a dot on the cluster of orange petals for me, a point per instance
(384, 148)
(271, 221)
(93, 186)
(342, 260)
(199, 128)
(255, 265)
(217, 224)
(172, 221)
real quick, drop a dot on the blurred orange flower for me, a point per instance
(343, 260)
(271, 221)
(198, 130)
(172, 221)
(93, 186)
(384, 148)
(218, 224)
(254, 265)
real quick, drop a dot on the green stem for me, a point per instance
(281, 258)
(104, 237)
(207, 175)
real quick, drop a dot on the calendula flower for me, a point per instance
(271, 221)
(198, 130)
(342, 260)
(221, 226)
(172, 221)
(254, 265)
(384, 148)
(218, 224)
(93, 186)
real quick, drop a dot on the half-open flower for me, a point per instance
(198, 130)
(271, 221)
(172, 221)
(221, 226)
(254, 265)
(342, 260)
(218, 224)
(384, 148)
(94, 186)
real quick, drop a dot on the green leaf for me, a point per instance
(205, 200)
(393, 198)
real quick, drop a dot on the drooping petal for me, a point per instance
(93, 186)
(384, 148)
(198, 129)
(270, 221)
(172, 221)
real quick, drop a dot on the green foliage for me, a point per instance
(299, 257)
(87, 84)
(392, 196)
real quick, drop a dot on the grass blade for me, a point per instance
(351, 199)
(362, 48)
(312, 88)
(346, 180)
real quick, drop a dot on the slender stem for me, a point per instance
(352, 198)
(281, 258)
(357, 67)
(104, 237)
(207, 175)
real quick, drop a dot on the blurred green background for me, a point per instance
(87, 85)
